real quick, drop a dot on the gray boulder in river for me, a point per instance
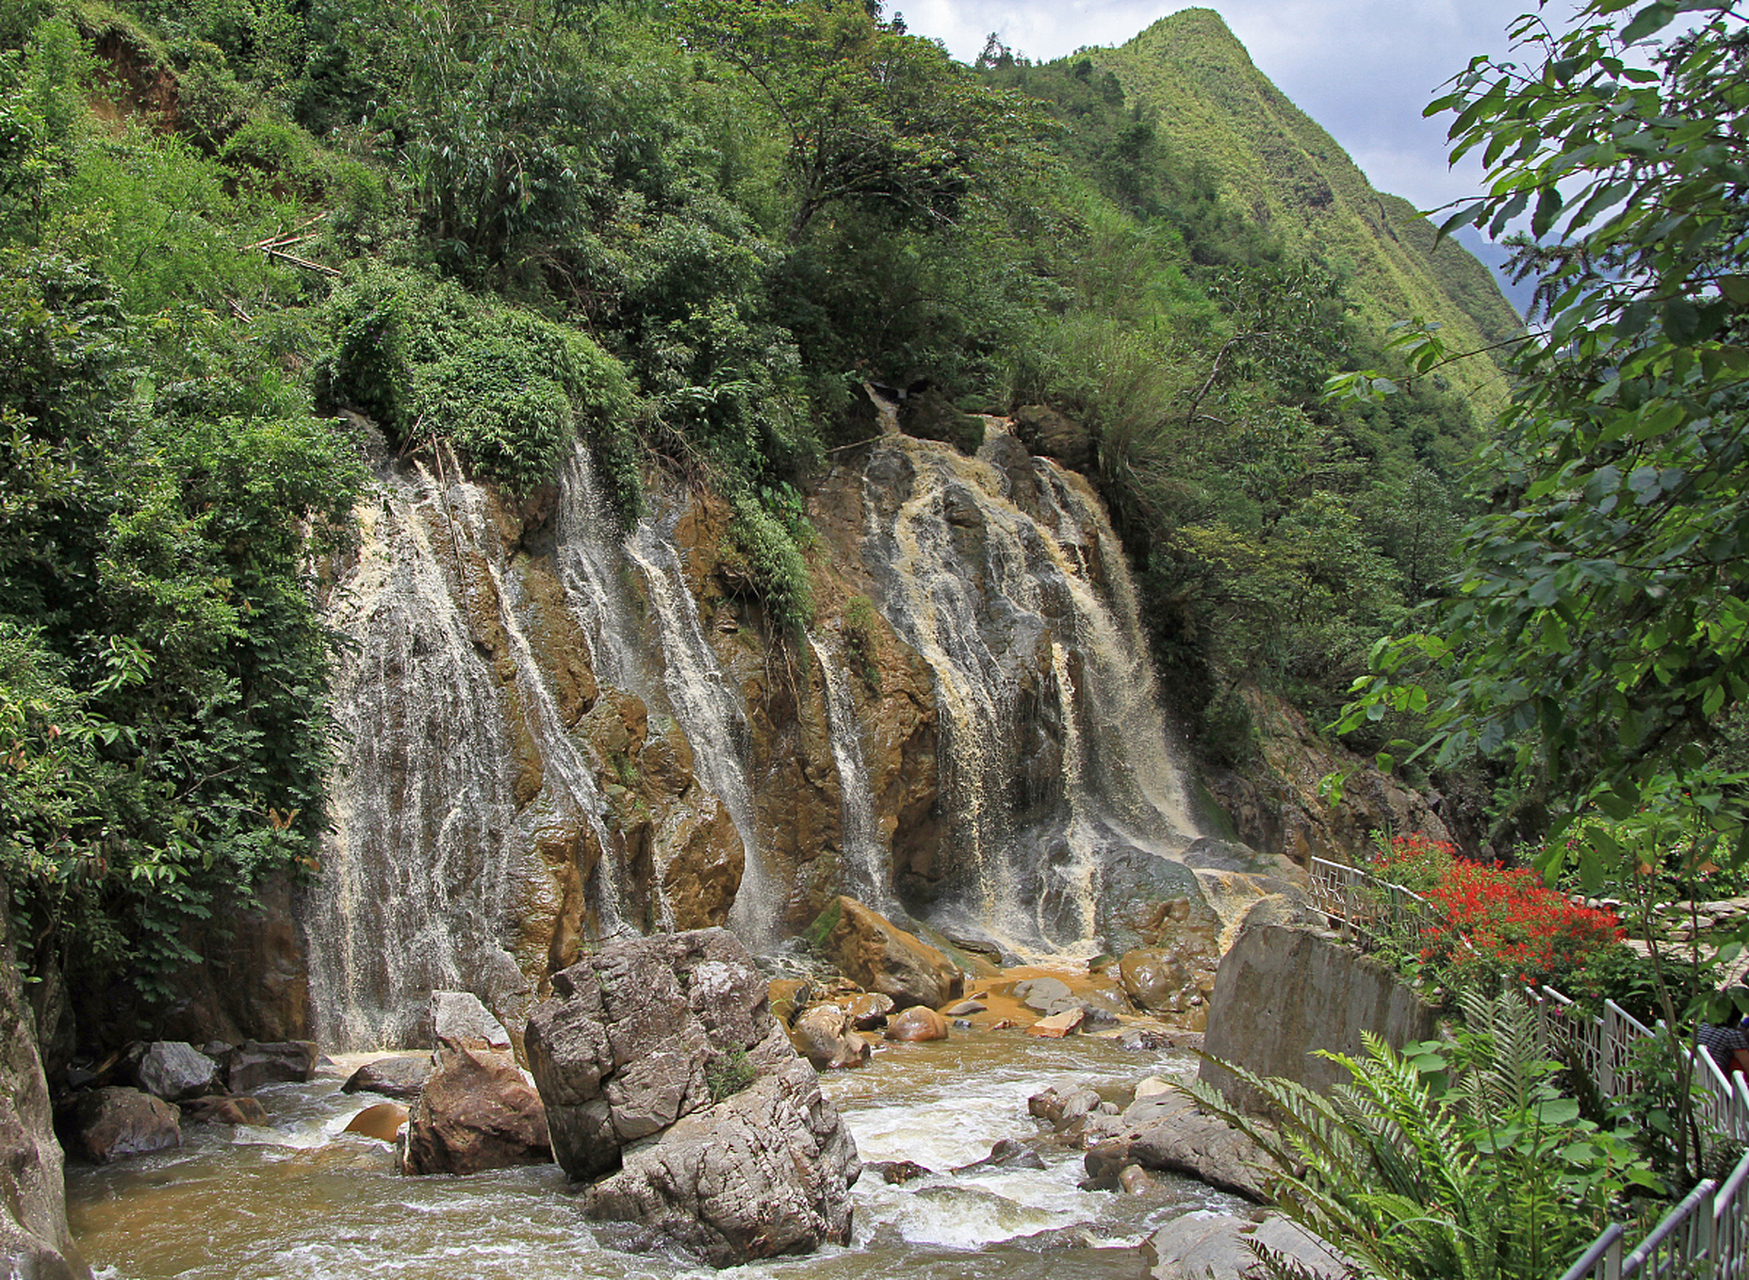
(658, 1057)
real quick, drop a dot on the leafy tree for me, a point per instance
(1599, 630)
(874, 117)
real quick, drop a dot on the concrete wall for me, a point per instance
(1283, 992)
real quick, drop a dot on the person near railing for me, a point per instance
(1726, 1045)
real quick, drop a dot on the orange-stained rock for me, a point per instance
(917, 1023)
(382, 1121)
(881, 957)
(1058, 1024)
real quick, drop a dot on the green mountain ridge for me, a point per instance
(1193, 76)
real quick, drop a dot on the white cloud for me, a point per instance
(1363, 69)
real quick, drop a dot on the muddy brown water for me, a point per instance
(301, 1200)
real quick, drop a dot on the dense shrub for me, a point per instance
(510, 390)
(1497, 921)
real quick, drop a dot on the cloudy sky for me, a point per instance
(1363, 69)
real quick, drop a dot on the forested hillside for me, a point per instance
(686, 234)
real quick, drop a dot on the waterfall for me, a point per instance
(709, 710)
(866, 857)
(431, 861)
(1003, 573)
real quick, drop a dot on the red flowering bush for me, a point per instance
(1494, 920)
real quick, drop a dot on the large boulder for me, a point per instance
(1145, 900)
(1166, 1132)
(254, 1064)
(1200, 1246)
(659, 1057)
(629, 1040)
(174, 1071)
(34, 1240)
(880, 957)
(766, 1172)
(113, 1122)
(398, 1077)
(460, 1021)
(1282, 993)
(476, 1112)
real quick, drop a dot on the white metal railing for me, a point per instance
(1707, 1234)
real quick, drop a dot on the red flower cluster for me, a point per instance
(1505, 920)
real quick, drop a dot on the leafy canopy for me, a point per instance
(1600, 625)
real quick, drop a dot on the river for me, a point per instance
(301, 1200)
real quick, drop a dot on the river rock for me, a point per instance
(475, 1113)
(1006, 1154)
(631, 1035)
(1148, 901)
(823, 1036)
(1058, 1025)
(1161, 981)
(253, 1064)
(34, 1239)
(1168, 1132)
(895, 1172)
(173, 1071)
(964, 1009)
(1045, 995)
(868, 1010)
(114, 1122)
(1213, 1247)
(218, 1109)
(460, 1021)
(382, 1121)
(881, 957)
(917, 1023)
(765, 1172)
(400, 1077)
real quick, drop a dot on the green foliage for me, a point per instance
(1601, 627)
(1451, 1160)
(862, 641)
(727, 1074)
(815, 935)
(511, 391)
(764, 546)
(875, 118)
(164, 668)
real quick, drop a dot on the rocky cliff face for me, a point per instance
(34, 1240)
(560, 731)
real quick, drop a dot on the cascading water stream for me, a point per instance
(710, 712)
(1013, 589)
(866, 857)
(429, 860)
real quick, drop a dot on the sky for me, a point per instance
(1363, 69)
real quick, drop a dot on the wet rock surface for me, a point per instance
(476, 1112)
(218, 1109)
(763, 1173)
(399, 1077)
(174, 1071)
(882, 958)
(253, 1064)
(112, 1123)
(659, 1056)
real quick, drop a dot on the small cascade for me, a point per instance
(708, 709)
(866, 857)
(430, 863)
(1003, 573)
